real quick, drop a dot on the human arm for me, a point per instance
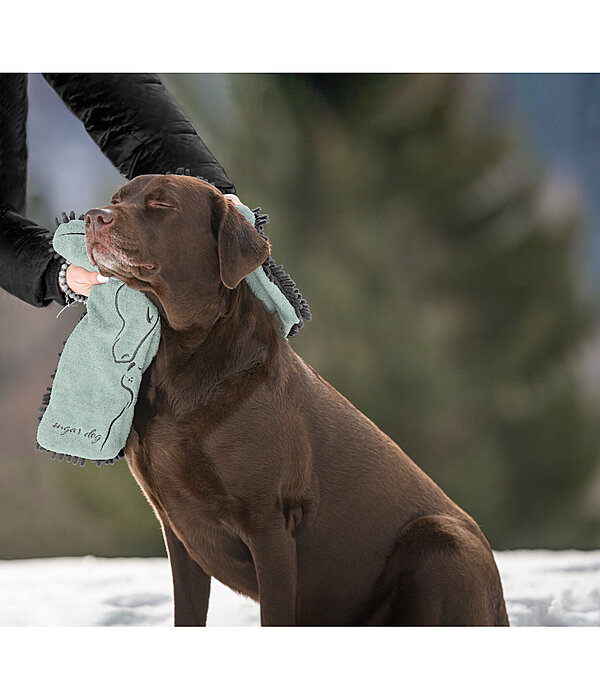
(137, 125)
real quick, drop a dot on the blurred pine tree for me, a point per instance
(446, 283)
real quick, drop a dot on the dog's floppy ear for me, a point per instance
(240, 246)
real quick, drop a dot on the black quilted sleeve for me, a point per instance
(28, 266)
(137, 125)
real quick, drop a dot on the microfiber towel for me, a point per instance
(100, 369)
(268, 292)
(90, 408)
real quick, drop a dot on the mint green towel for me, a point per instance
(268, 292)
(100, 369)
(95, 389)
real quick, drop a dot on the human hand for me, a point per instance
(235, 199)
(81, 280)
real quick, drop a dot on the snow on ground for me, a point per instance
(545, 588)
(541, 588)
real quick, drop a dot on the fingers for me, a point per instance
(81, 280)
(233, 198)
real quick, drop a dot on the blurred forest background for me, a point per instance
(445, 230)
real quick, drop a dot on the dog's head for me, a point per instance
(177, 239)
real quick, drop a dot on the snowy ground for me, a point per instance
(541, 588)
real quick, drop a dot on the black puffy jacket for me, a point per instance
(138, 127)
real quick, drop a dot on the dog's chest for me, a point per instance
(223, 555)
(188, 496)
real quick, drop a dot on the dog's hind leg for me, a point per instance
(191, 584)
(446, 576)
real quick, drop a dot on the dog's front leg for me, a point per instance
(191, 584)
(274, 554)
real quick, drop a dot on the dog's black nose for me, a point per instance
(97, 218)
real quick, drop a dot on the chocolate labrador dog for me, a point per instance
(262, 474)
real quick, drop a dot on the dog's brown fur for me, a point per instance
(260, 472)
